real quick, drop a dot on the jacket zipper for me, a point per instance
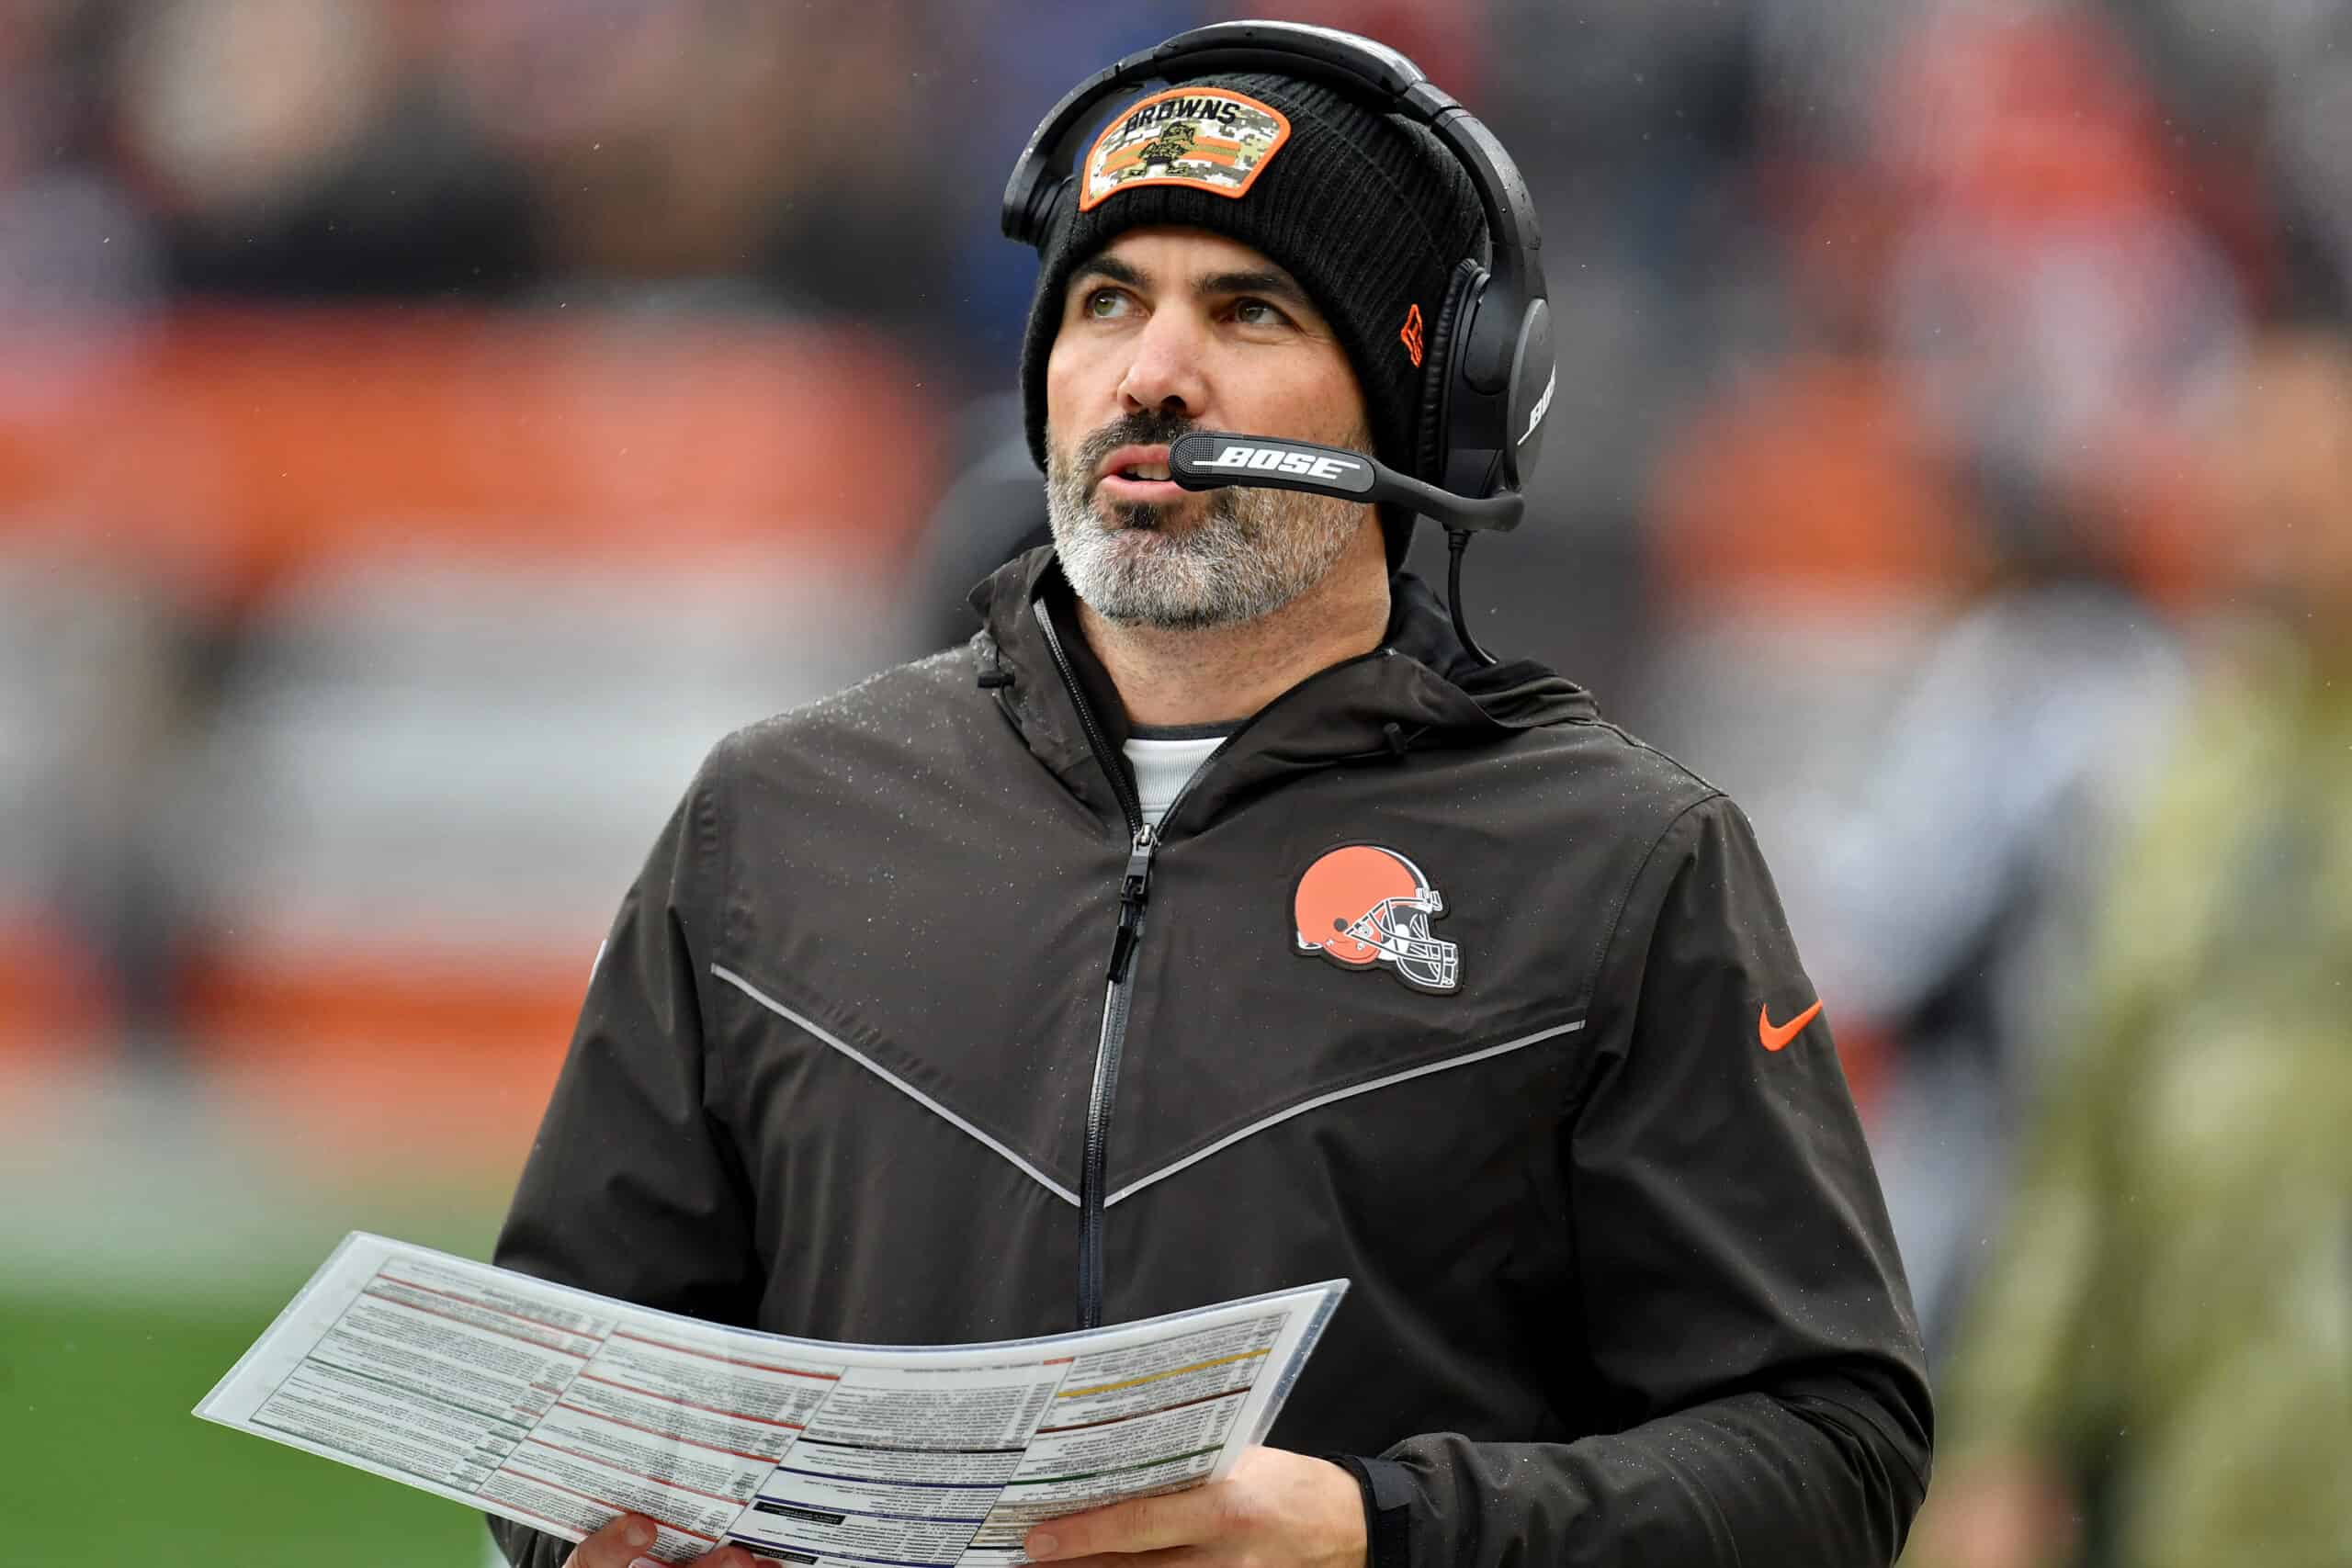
(1135, 891)
(1135, 894)
(1135, 888)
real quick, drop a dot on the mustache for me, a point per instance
(1146, 427)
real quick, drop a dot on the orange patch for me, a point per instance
(1206, 138)
(1411, 334)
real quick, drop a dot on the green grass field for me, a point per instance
(101, 1463)
(112, 1469)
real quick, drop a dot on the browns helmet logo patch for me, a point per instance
(1361, 905)
(1206, 138)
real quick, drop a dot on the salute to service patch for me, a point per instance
(1207, 138)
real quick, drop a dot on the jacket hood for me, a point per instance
(1419, 689)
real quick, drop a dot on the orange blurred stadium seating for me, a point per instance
(337, 479)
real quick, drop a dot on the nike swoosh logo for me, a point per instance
(1775, 1035)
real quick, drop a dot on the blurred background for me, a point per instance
(426, 425)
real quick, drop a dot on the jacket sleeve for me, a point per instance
(631, 1188)
(1744, 1321)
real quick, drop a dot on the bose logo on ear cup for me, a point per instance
(1542, 405)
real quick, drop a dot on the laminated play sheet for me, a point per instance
(561, 1408)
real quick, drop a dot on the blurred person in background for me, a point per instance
(1953, 491)
(294, 150)
(848, 1067)
(1946, 883)
(2061, 322)
(109, 659)
(723, 153)
(2155, 1373)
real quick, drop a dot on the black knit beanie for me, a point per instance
(1368, 211)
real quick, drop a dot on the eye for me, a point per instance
(1105, 304)
(1254, 312)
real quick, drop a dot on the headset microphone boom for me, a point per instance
(1207, 460)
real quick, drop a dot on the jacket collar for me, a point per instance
(1420, 690)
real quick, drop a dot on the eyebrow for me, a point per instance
(1113, 268)
(1272, 282)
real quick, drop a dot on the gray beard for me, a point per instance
(1251, 551)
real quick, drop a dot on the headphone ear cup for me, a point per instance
(1533, 382)
(1438, 369)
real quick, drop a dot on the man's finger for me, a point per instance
(614, 1546)
(1174, 1557)
(627, 1540)
(1147, 1524)
(732, 1557)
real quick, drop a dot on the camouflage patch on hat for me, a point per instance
(1204, 137)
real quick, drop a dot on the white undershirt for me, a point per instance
(1162, 768)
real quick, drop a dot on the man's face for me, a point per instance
(1171, 330)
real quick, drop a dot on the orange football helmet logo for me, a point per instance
(1360, 905)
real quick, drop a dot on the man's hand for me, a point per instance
(623, 1544)
(2006, 1510)
(1276, 1510)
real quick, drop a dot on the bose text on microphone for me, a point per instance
(1207, 460)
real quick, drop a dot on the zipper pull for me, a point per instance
(1135, 888)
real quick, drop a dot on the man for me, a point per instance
(2155, 1368)
(1419, 974)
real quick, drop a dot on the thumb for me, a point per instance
(614, 1546)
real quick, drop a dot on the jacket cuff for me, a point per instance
(1387, 1488)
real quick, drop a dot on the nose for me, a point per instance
(1166, 372)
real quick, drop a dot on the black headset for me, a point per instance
(1489, 380)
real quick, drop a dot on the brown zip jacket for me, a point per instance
(1431, 980)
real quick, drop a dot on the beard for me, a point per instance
(1249, 552)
